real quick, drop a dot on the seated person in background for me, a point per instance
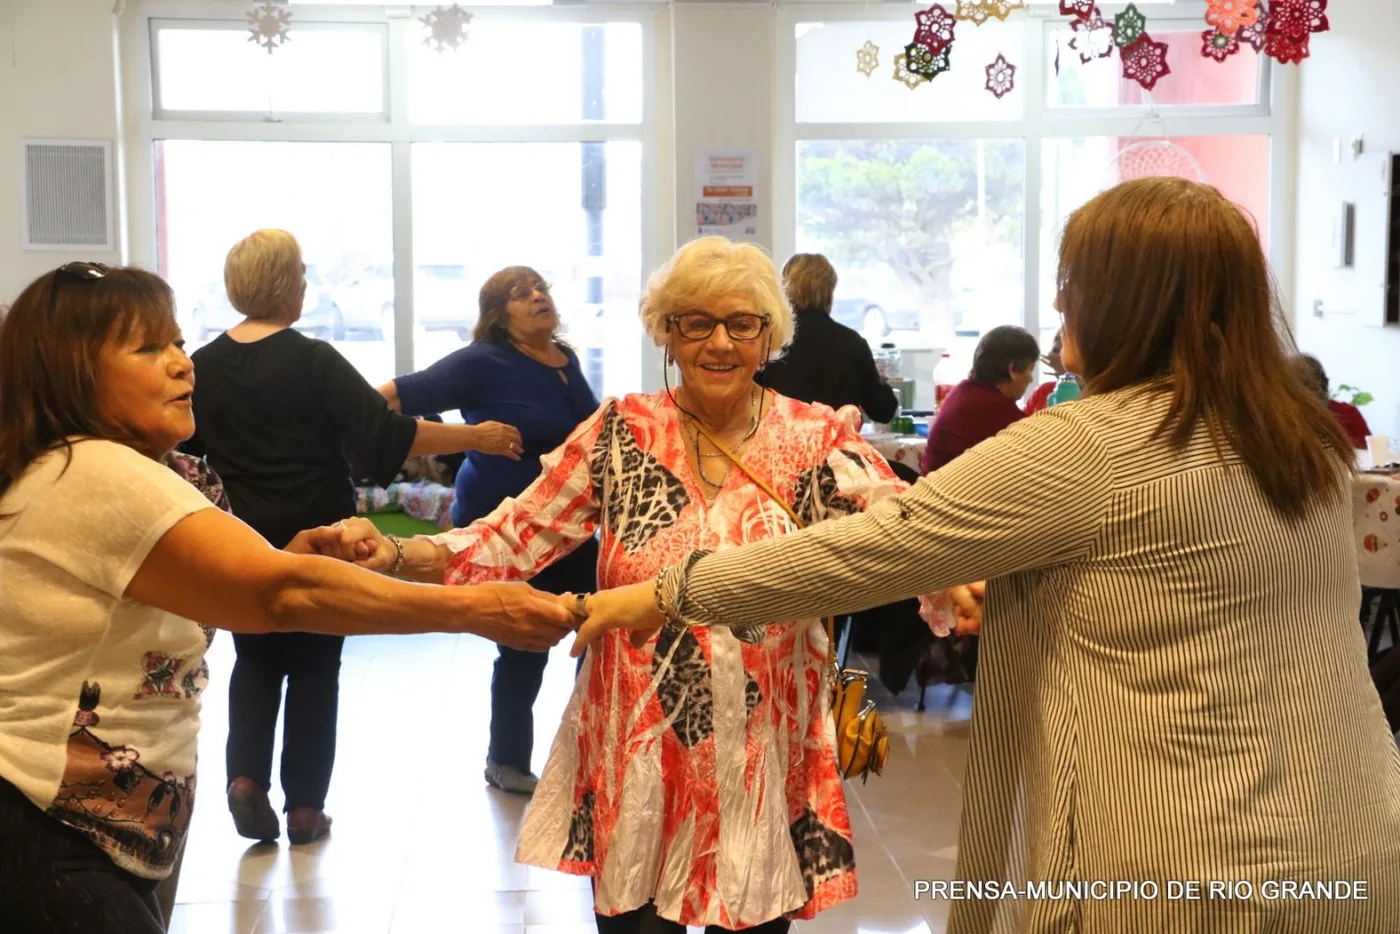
(826, 362)
(1310, 371)
(983, 404)
(1040, 399)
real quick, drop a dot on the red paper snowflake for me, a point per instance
(1286, 50)
(1228, 16)
(1297, 19)
(1093, 38)
(936, 27)
(1217, 45)
(1145, 61)
(1001, 77)
(1079, 9)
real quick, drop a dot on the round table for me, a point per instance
(903, 449)
(1375, 499)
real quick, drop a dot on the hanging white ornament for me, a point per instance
(447, 27)
(269, 26)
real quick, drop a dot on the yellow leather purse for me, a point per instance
(862, 741)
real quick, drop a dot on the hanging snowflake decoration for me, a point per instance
(1286, 50)
(1001, 77)
(1255, 35)
(1128, 27)
(936, 27)
(978, 12)
(1298, 19)
(1145, 61)
(447, 27)
(1229, 16)
(926, 63)
(269, 26)
(867, 58)
(1079, 9)
(1215, 44)
(1093, 38)
(903, 75)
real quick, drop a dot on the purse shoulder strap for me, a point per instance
(827, 622)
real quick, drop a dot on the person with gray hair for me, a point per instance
(278, 414)
(1003, 367)
(694, 779)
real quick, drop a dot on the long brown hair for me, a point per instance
(1163, 284)
(491, 325)
(51, 343)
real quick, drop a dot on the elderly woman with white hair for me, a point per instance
(694, 778)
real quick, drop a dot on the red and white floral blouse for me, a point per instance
(699, 771)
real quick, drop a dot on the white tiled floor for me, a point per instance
(422, 846)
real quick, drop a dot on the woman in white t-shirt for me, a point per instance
(108, 561)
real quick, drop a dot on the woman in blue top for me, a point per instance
(515, 371)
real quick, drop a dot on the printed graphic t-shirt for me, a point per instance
(99, 695)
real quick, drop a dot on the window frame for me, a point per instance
(1273, 115)
(139, 89)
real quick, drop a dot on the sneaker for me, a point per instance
(253, 816)
(510, 779)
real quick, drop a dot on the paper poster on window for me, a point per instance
(726, 194)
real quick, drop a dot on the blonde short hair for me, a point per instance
(706, 269)
(263, 273)
(810, 282)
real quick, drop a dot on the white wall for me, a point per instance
(58, 80)
(1350, 86)
(723, 97)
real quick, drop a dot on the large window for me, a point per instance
(941, 205)
(408, 175)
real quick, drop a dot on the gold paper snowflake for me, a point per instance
(268, 25)
(447, 27)
(867, 58)
(903, 75)
(978, 12)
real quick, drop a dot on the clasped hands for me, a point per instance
(531, 619)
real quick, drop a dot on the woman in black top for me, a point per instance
(826, 362)
(277, 413)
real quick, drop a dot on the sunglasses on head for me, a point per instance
(75, 272)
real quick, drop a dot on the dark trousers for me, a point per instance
(645, 921)
(515, 682)
(53, 880)
(1386, 674)
(310, 664)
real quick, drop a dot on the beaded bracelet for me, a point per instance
(398, 561)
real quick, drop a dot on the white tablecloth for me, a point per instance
(1376, 513)
(906, 449)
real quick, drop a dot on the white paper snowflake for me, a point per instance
(447, 27)
(269, 25)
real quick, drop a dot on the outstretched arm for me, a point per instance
(213, 569)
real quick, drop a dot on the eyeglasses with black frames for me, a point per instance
(698, 326)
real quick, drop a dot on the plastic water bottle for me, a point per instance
(1066, 390)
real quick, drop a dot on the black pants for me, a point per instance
(515, 683)
(53, 880)
(1386, 674)
(310, 664)
(645, 921)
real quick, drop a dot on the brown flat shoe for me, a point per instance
(305, 825)
(253, 816)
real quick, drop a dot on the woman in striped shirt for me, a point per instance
(1173, 686)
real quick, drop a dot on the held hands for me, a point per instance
(525, 618)
(955, 612)
(355, 540)
(632, 607)
(498, 438)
